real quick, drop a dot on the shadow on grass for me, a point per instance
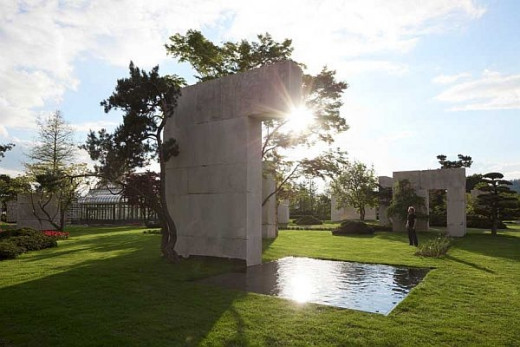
(128, 296)
(473, 265)
(501, 246)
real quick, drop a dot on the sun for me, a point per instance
(299, 119)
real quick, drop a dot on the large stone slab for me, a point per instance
(343, 213)
(454, 181)
(31, 215)
(214, 186)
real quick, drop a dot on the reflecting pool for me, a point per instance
(366, 287)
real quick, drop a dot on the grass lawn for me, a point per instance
(110, 287)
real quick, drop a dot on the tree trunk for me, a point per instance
(169, 229)
(362, 213)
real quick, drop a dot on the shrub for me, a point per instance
(478, 221)
(17, 241)
(34, 242)
(351, 227)
(381, 227)
(437, 219)
(9, 250)
(308, 220)
(18, 232)
(152, 224)
(434, 248)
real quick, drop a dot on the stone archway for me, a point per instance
(214, 186)
(453, 181)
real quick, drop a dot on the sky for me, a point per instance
(425, 77)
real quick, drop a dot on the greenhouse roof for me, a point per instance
(101, 199)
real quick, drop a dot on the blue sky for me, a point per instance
(425, 77)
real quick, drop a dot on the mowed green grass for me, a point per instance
(110, 287)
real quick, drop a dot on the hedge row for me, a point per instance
(18, 241)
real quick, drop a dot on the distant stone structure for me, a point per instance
(214, 186)
(283, 214)
(269, 220)
(30, 215)
(384, 182)
(452, 180)
(342, 213)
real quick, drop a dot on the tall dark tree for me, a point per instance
(147, 100)
(5, 148)
(463, 161)
(322, 95)
(498, 199)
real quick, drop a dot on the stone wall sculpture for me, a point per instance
(214, 186)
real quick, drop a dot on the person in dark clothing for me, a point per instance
(411, 220)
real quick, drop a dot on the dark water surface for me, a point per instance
(364, 287)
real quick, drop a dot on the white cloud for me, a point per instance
(335, 30)
(492, 91)
(87, 126)
(448, 79)
(353, 67)
(42, 40)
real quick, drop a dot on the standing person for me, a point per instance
(411, 220)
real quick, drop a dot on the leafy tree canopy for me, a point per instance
(356, 186)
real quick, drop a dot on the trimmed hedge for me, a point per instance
(18, 241)
(308, 220)
(9, 250)
(477, 221)
(350, 227)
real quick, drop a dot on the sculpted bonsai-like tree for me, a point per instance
(497, 200)
(464, 161)
(147, 100)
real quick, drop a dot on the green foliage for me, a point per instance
(308, 220)
(9, 250)
(212, 61)
(350, 227)
(51, 167)
(403, 197)
(482, 222)
(497, 201)
(5, 148)
(18, 241)
(147, 100)
(472, 181)
(355, 185)
(464, 161)
(436, 247)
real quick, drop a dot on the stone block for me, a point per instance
(216, 199)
